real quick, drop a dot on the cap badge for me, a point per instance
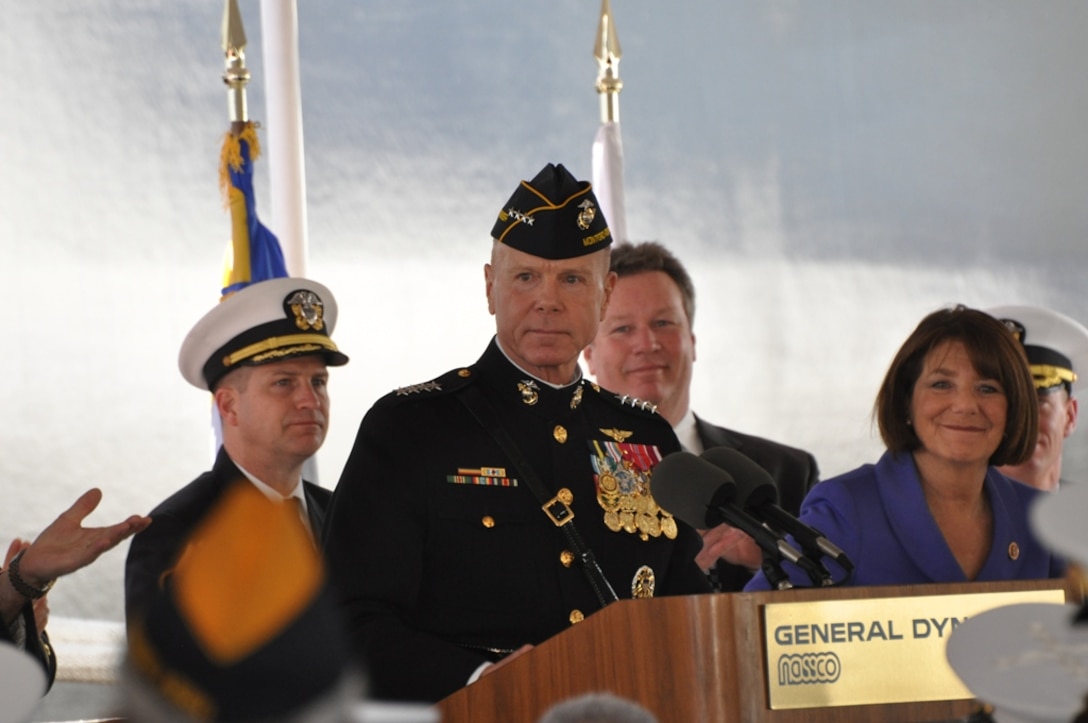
(308, 309)
(518, 216)
(588, 213)
(1015, 328)
(530, 392)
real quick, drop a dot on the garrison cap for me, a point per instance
(245, 627)
(1056, 346)
(265, 322)
(553, 216)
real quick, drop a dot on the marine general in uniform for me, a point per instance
(503, 502)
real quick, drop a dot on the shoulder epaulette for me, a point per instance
(448, 382)
(625, 400)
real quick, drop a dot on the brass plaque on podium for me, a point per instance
(869, 651)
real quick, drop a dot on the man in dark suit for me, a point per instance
(498, 504)
(263, 353)
(645, 348)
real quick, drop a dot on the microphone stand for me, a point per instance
(772, 570)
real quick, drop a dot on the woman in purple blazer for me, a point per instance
(957, 401)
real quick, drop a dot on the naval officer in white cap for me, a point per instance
(1057, 351)
(263, 352)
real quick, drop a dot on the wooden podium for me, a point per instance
(686, 659)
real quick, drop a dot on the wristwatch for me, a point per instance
(22, 586)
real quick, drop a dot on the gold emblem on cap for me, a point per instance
(642, 584)
(1014, 551)
(560, 434)
(576, 616)
(587, 214)
(308, 309)
(530, 392)
(620, 435)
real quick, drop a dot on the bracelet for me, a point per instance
(22, 586)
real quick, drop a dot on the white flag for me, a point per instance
(608, 178)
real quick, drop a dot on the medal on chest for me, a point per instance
(622, 477)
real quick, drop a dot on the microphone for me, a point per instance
(762, 500)
(703, 495)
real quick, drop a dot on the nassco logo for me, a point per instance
(808, 668)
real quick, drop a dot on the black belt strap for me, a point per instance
(559, 512)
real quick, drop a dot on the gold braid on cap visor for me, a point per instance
(279, 346)
(1046, 375)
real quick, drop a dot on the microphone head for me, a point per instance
(691, 488)
(755, 487)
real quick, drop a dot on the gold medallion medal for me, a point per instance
(668, 526)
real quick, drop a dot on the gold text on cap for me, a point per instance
(560, 434)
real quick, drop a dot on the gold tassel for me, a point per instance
(230, 156)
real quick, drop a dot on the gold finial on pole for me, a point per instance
(607, 51)
(236, 74)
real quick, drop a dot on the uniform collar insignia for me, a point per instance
(530, 392)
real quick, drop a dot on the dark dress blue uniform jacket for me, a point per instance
(443, 557)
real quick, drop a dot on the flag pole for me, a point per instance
(608, 145)
(255, 252)
(283, 98)
(287, 167)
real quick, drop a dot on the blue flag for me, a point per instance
(254, 252)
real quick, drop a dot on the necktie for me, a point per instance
(300, 511)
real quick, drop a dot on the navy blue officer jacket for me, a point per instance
(443, 556)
